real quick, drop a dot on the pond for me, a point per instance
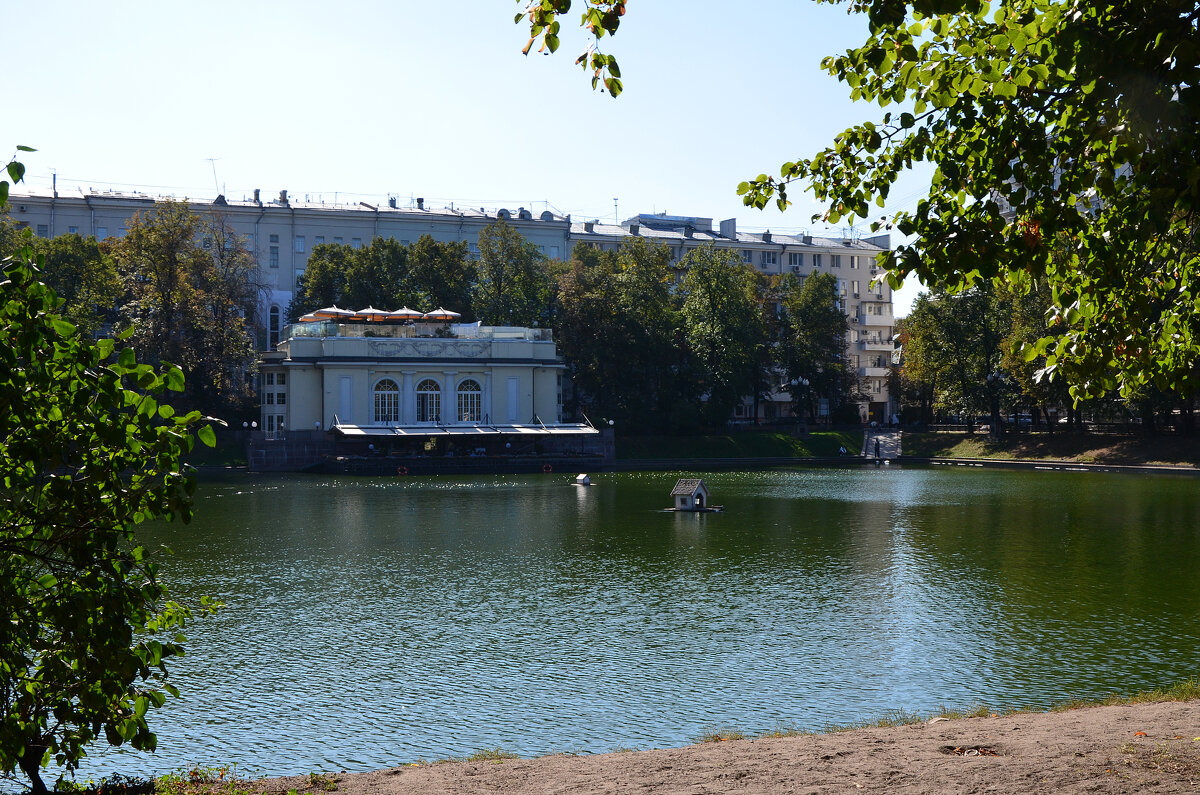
(371, 622)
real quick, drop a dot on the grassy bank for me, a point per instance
(747, 444)
(1077, 448)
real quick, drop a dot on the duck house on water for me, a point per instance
(691, 495)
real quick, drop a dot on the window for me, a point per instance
(835, 260)
(816, 261)
(795, 259)
(429, 401)
(470, 401)
(387, 401)
(300, 244)
(748, 257)
(43, 230)
(273, 256)
(337, 241)
(318, 240)
(841, 286)
(280, 398)
(101, 232)
(270, 379)
(554, 252)
(72, 230)
(270, 398)
(770, 258)
(273, 328)
(356, 242)
(273, 239)
(281, 378)
(853, 262)
(854, 287)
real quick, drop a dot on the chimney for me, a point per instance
(807, 239)
(635, 229)
(729, 228)
(392, 202)
(420, 203)
(283, 197)
(767, 236)
(589, 226)
(256, 199)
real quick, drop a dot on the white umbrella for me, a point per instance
(331, 313)
(440, 314)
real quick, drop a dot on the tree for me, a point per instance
(87, 452)
(514, 287)
(955, 340)
(723, 326)
(82, 272)
(812, 350)
(1043, 120)
(445, 272)
(190, 286)
(616, 330)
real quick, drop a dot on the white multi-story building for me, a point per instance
(281, 232)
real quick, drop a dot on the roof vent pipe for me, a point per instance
(421, 203)
(256, 199)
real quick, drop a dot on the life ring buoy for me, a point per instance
(547, 468)
(401, 470)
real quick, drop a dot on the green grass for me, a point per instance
(746, 444)
(721, 735)
(1076, 448)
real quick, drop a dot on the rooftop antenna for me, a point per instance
(616, 214)
(213, 161)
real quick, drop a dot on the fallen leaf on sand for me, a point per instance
(1139, 734)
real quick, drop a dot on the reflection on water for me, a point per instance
(370, 622)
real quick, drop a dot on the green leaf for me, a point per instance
(205, 434)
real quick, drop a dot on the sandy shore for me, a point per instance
(1152, 748)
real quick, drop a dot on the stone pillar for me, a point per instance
(449, 398)
(408, 399)
(487, 397)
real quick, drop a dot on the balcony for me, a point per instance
(875, 320)
(875, 345)
(874, 372)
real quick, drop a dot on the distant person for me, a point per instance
(842, 450)
(877, 448)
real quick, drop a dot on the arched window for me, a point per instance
(429, 401)
(387, 401)
(470, 401)
(273, 329)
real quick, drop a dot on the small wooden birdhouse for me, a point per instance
(690, 494)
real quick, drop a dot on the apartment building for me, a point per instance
(282, 231)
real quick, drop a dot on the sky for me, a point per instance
(362, 99)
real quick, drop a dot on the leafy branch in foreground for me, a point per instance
(1062, 135)
(89, 448)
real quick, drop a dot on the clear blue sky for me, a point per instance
(431, 99)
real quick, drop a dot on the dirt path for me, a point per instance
(1151, 748)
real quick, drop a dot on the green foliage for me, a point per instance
(387, 274)
(90, 448)
(724, 328)
(83, 273)
(617, 330)
(1062, 137)
(812, 347)
(599, 17)
(190, 284)
(745, 444)
(514, 286)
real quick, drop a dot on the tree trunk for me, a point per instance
(1049, 424)
(30, 763)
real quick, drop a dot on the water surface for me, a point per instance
(370, 622)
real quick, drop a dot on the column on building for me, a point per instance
(408, 399)
(449, 398)
(487, 396)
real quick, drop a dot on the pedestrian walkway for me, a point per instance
(878, 443)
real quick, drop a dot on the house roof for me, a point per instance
(686, 486)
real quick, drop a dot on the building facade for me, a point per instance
(281, 232)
